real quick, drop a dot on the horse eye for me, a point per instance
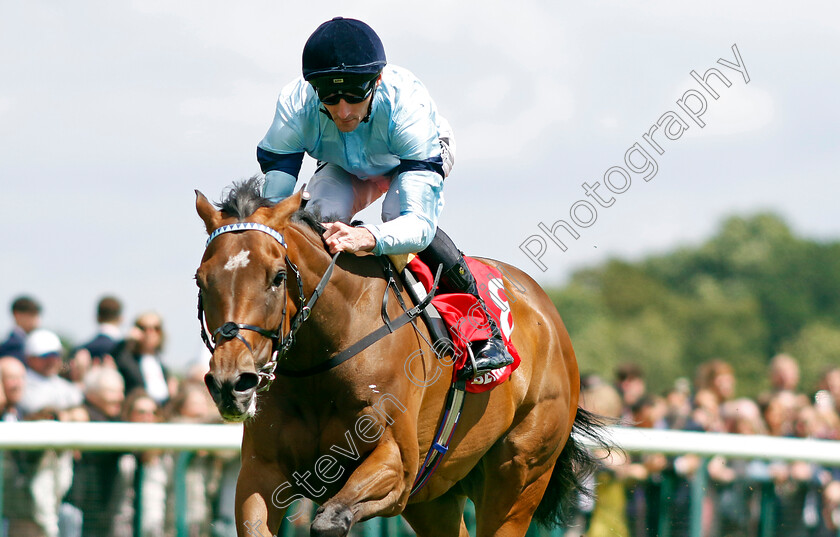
(279, 278)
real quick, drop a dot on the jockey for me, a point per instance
(374, 130)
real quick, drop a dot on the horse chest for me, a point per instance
(308, 435)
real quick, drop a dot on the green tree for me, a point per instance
(751, 289)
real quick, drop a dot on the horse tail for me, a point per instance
(575, 464)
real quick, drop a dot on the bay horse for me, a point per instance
(352, 437)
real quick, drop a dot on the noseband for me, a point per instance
(280, 344)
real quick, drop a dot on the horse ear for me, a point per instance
(281, 212)
(212, 218)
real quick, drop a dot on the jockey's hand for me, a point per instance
(343, 238)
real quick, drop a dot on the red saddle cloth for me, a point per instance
(465, 319)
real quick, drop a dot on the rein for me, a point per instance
(388, 327)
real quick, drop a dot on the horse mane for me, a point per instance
(312, 219)
(243, 198)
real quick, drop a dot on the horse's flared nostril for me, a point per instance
(246, 382)
(212, 386)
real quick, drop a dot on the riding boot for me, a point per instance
(456, 277)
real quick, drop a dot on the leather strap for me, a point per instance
(367, 341)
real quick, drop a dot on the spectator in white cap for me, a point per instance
(45, 477)
(45, 390)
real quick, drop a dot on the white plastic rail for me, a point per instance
(187, 437)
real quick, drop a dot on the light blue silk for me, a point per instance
(403, 126)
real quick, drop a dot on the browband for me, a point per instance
(247, 226)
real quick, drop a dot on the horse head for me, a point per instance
(243, 293)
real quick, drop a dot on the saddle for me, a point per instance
(455, 320)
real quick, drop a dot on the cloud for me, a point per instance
(266, 33)
(5, 104)
(248, 103)
(609, 122)
(512, 127)
(745, 109)
(741, 108)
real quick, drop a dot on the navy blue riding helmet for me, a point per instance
(341, 59)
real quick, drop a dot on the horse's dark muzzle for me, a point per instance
(232, 396)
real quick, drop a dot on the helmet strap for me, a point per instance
(370, 104)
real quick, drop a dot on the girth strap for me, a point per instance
(440, 444)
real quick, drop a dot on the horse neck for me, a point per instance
(330, 327)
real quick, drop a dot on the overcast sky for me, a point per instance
(112, 113)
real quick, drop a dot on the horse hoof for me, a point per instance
(331, 521)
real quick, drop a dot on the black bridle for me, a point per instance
(280, 343)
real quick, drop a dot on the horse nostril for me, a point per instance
(246, 382)
(212, 385)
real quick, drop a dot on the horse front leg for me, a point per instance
(259, 507)
(376, 488)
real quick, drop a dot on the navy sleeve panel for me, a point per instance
(289, 163)
(434, 164)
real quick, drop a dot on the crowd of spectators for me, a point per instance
(119, 376)
(799, 499)
(114, 376)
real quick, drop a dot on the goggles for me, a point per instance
(332, 92)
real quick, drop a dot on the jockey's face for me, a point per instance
(348, 116)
